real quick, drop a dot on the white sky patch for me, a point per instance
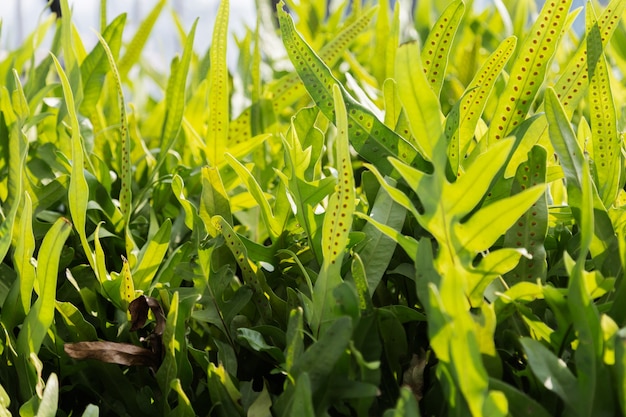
(21, 17)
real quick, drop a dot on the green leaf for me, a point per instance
(5, 402)
(387, 39)
(295, 338)
(477, 92)
(127, 286)
(50, 399)
(20, 104)
(302, 404)
(223, 393)
(22, 255)
(438, 45)
(261, 407)
(252, 275)
(41, 315)
(494, 264)
(184, 408)
(70, 46)
(125, 196)
(91, 411)
(552, 373)
(319, 360)
(359, 276)
(530, 231)
(151, 257)
(620, 368)
(81, 328)
(529, 69)
(337, 221)
(175, 98)
(476, 237)
(406, 406)
(178, 187)
(95, 66)
(520, 404)
(217, 130)
(573, 82)
(175, 357)
(214, 199)
(78, 193)
(257, 342)
(606, 140)
(289, 88)
(272, 223)
(592, 374)
(338, 218)
(137, 43)
(369, 136)
(418, 99)
(408, 243)
(603, 244)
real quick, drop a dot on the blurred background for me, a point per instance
(20, 17)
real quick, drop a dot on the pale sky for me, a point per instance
(20, 18)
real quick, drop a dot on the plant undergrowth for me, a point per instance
(369, 215)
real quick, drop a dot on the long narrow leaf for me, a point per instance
(217, 134)
(438, 45)
(529, 69)
(337, 221)
(41, 315)
(605, 138)
(136, 45)
(78, 193)
(419, 101)
(369, 136)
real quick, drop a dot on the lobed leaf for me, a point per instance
(475, 236)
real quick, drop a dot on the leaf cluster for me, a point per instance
(369, 215)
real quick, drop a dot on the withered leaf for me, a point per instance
(413, 377)
(138, 309)
(111, 352)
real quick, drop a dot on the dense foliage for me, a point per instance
(386, 216)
